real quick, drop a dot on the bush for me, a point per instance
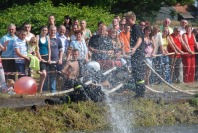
(38, 13)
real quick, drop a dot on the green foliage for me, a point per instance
(194, 102)
(37, 14)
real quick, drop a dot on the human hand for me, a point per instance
(191, 52)
(133, 50)
(60, 61)
(6, 43)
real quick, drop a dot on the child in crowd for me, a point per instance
(119, 61)
(33, 54)
(69, 54)
(10, 87)
(2, 77)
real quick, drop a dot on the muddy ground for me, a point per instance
(19, 101)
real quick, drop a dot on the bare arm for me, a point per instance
(154, 47)
(66, 67)
(185, 44)
(174, 46)
(4, 48)
(20, 55)
(38, 53)
(60, 57)
(196, 43)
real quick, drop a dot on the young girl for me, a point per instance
(33, 53)
(117, 44)
(10, 87)
(2, 77)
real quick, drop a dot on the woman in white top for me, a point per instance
(80, 44)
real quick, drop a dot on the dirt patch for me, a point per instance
(17, 101)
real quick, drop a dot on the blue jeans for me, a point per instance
(177, 69)
(165, 68)
(20, 67)
(51, 78)
(162, 67)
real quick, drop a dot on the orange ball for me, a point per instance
(26, 85)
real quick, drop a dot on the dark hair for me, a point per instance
(74, 50)
(75, 19)
(44, 26)
(99, 23)
(147, 28)
(26, 23)
(77, 32)
(67, 17)
(70, 21)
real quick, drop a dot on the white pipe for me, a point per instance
(174, 88)
(109, 71)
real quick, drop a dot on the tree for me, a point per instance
(143, 8)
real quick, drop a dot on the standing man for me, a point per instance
(27, 27)
(63, 38)
(9, 65)
(182, 26)
(166, 23)
(101, 47)
(56, 56)
(137, 54)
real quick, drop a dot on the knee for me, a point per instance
(44, 74)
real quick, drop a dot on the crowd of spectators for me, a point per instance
(170, 51)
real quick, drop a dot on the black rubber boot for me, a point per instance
(53, 102)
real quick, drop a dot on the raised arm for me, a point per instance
(4, 48)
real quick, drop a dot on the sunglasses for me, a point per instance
(33, 42)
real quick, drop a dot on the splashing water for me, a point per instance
(121, 118)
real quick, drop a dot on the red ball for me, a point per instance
(26, 85)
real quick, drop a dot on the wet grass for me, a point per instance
(89, 116)
(82, 116)
(150, 113)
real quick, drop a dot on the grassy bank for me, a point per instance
(89, 116)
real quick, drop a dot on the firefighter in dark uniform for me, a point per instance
(137, 54)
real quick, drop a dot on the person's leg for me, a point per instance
(167, 69)
(138, 71)
(43, 76)
(159, 69)
(148, 71)
(2, 79)
(62, 100)
(9, 66)
(192, 69)
(20, 67)
(180, 78)
(52, 77)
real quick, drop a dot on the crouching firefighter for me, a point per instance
(73, 72)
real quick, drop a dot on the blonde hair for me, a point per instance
(130, 15)
(33, 39)
(10, 82)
